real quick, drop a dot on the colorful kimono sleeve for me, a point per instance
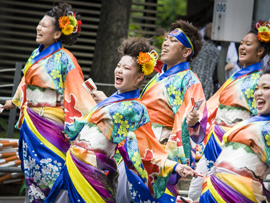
(178, 146)
(155, 163)
(144, 155)
(242, 165)
(128, 123)
(18, 97)
(77, 101)
(212, 107)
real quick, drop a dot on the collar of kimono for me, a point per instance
(243, 72)
(175, 69)
(183, 38)
(265, 117)
(166, 73)
(134, 94)
(43, 54)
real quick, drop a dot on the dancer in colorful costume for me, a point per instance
(234, 102)
(168, 99)
(168, 95)
(244, 163)
(50, 97)
(90, 173)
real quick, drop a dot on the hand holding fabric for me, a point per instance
(229, 66)
(185, 171)
(98, 96)
(192, 118)
(9, 105)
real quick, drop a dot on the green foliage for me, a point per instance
(3, 124)
(4, 128)
(134, 30)
(170, 10)
(157, 42)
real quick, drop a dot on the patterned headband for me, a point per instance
(183, 38)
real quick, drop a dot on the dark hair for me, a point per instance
(132, 46)
(193, 34)
(62, 9)
(265, 45)
(266, 68)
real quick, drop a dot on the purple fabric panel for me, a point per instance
(50, 131)
(219, 132)
(106, 160)
(172, 189)
(203, 123)
(226, 192)
(174, 178)
(125, 157)
(265, 192)
(97, 179)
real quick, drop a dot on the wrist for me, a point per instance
(194, 126)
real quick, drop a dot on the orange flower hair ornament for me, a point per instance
(148, 61)
(69, 24)
(263, 31)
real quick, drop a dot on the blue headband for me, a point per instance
(183, 38)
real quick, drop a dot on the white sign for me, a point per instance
(221, 8)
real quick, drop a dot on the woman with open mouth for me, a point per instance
(50, 97)
(119, 122)
(234, 102)
(244, 163)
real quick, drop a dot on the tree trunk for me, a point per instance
(113, 26)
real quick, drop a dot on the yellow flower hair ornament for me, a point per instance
(148, 61)
(263, 31)
(69, 24)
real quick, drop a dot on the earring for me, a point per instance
(55, 40)
(185, 55)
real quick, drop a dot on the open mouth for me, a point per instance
(39, 35)
(242, 55)
(260, 103)
(118, 80)
(164, 51)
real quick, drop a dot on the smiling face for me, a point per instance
(262, 95)
(127, 75)
(249, 51)
(46, 33)
(173, 51)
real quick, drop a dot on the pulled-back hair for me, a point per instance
(62, 9)
(193, 34)
(266, 69)
(132, 46)
(265, 45)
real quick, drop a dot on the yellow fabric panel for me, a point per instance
(84, 155)
(55, 114)
(213, 191)
(239, 183)
(87, 192)
(16, 102)
(40, 137)
(216, 138)
(168, 192)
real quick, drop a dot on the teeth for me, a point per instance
(119, 78)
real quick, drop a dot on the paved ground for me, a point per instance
(12, 199)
